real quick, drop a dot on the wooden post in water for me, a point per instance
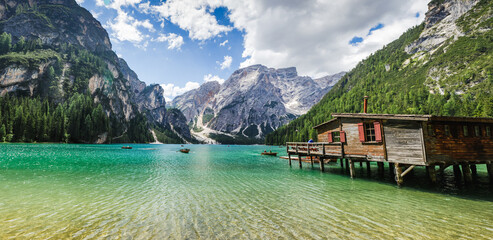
(368, 169)
(432, 173)
(351, 168)
(299, 160)
(341, 161)
(311, 160)
(289, 156)
(360, 164)
(489, 167)
(398, 174)
(466, 171)
(391, 169)
(322, 166)
(474, 170)
(457, 174)
(347, 164)
(380, 168)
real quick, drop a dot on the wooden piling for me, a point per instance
(457, 174)
(347, 164)
(380, 168)
(391, 169)
(351, 168)
(299, 160)
(489, 167)
(289, 156)
(322, 165)
(432, 173)
(311, 160)
(360, 164)
(341, 161)
(368, 169)
(474, 170)
(398, 174)
(466, 171)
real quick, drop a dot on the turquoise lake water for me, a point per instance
(62, 191)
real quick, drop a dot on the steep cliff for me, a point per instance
(55, 49)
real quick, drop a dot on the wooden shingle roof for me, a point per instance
(408, 117)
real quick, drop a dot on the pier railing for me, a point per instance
(321, 149)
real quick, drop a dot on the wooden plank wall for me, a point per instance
(404, 142)
(323, 131)
(374, 151)
(457, 147)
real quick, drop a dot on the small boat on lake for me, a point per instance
(126, 147)
(184, 150)
(270, 153)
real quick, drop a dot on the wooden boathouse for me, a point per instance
(403, 141)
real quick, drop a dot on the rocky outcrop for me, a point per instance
(178, 123)
(440, 25)
(193, 102)
(253, 101)
(59, 21)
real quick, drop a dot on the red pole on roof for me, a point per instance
(365, 104)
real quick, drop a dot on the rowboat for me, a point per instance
(126, 147)
(184, 150)
(269, 153)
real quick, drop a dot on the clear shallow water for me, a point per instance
(218, 192)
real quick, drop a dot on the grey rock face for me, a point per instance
(66, 22)
(254, 100)
(440, 25)
(193, 102)
(178, 123)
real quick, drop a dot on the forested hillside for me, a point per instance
(455, 79)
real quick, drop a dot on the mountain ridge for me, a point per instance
(252, 102)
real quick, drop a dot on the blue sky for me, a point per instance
(180, 44)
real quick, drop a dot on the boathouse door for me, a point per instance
(403, 141)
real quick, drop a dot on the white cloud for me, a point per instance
(191, 15)
(171, 91)
(210, 78)
(126, 28)
(95, 14)
(226, 63)
(174, 41)
(223, 43)
(79, 1)
(311, 35)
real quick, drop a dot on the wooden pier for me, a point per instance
(403, 142)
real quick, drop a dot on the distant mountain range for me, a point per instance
(253, 102)
(443, 67)
(55, 50)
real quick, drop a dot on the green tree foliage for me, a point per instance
(5, 43)
(399, 87)
(36, 120)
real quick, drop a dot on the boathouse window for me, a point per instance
(370, 132)
(488, 131)
(465, 130)
(337, 136)
(477, 131)
(447, 130)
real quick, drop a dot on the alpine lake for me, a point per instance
(71, 191)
